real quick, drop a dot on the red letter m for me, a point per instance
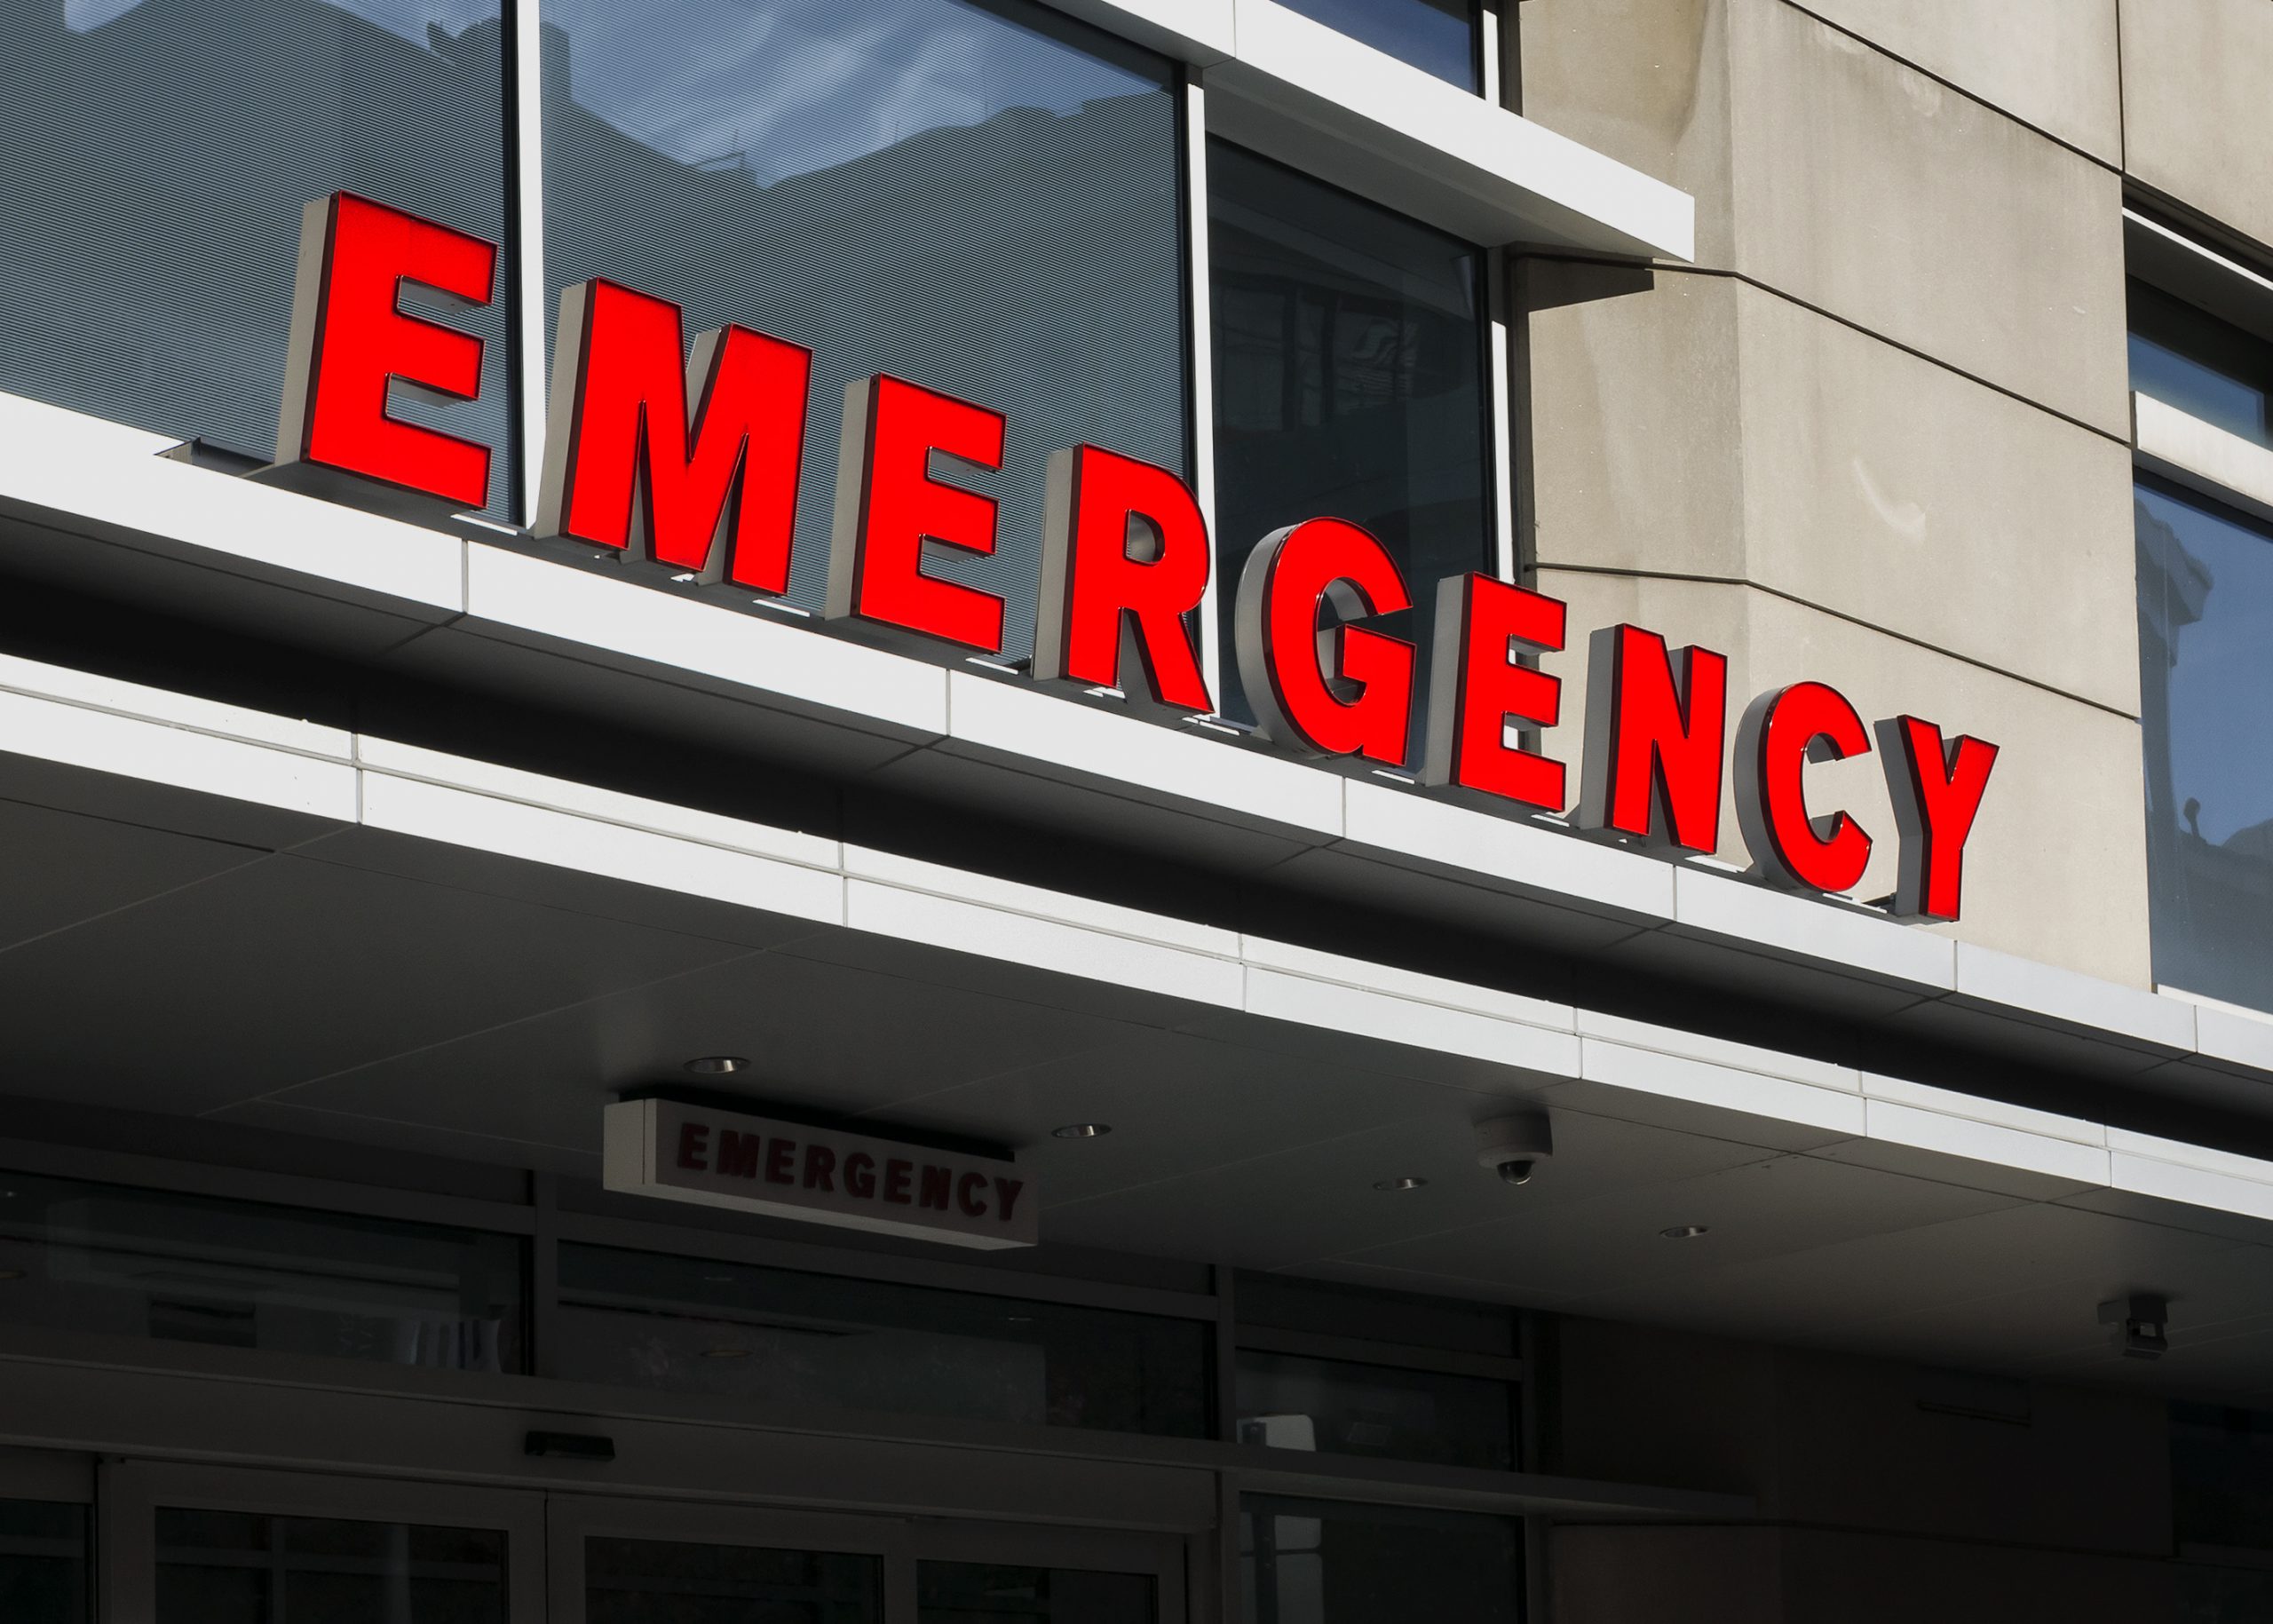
(624, 464)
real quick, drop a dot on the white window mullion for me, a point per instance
(525, 199)
(1203, 367)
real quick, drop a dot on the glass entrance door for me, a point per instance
(194, 1545)
(191, 1545)
(631, 1562)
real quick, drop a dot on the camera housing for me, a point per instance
(2141, 1325)
(1513, 1147)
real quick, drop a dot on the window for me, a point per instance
(1349, 381)
(2205, 621)
(985, 200)
(1308, 1561)
(159, 156)
(43, 1562)
(691, 1325)
(221, 1567)
(2183, 356)
(1339, 1407)
(1438, 36)
(180, 1268)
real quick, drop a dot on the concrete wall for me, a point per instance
(1879, 435)
(1874, 1508)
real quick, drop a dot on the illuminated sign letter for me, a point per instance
(1124, 549)
(1936, 788)
(625, 467)
(1345, 691)
(1655, 723)
(888, 507)
(1781, 733)
(352, 342)
(1481, 625)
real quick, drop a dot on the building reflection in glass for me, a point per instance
(983, 199)
(158, 157)
(2205, 651)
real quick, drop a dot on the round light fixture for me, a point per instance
(1683, 1232)
(1399, 1183)
(718, 1065)
(1082, 1130)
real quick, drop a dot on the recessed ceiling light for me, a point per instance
(725, 1353)
(1082, 1130)
(1683, 1232)
(718, 1065)
(1400, 1183)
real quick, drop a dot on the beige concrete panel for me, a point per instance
(1828, 170)
(1886, 487)
(2056, 869)
(2050, 63)
(1633, 445)
(1866, 189)
(1646, 82)
(1693, 424)
(2196, 122)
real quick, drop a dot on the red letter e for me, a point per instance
(352, 341)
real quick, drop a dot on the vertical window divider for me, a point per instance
(1202, 349)
(544, 1276)
(525, 249)
(1499, 433)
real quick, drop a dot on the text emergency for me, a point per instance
(691, 459)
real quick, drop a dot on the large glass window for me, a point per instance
(2206, 624)
(43, 1562)
(1320, 1562)
(1438, 37)
(1338, 1407)
(2183, 356)
(158, 154)
(144, 1263)
(693, 1325)
(1350, 380)
(985, 200)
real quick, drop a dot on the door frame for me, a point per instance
(898, 1541)
(130, 1491)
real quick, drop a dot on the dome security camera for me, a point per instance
(1513, 1147)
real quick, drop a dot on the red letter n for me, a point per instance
(626, 466)
(1656, 725)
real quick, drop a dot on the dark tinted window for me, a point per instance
(1338, 1407)
(233, 1567)
(2206, 624)
(666, 1581)
(1320, 1562)
(158, 156)
(982, 199)
(1438, 37)
(144, 1263)
(691, 1325)
(1349, 382)
(2183, 356)
(43, 1562)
